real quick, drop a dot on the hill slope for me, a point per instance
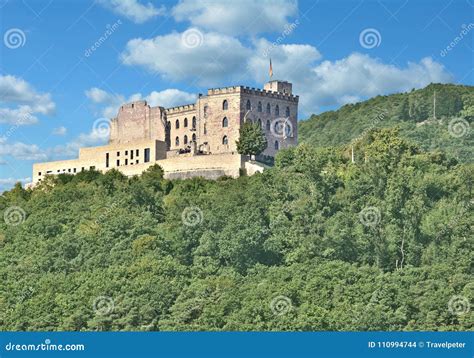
(412, 112)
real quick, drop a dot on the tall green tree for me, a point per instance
(252, 140)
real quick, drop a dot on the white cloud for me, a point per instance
(59, 131)
(202, 57)
(21, 151)
(347, 80)
(133, 10)
(71, 149)
(111, 102)
(236, 17)
(17, 90)
(18, 116)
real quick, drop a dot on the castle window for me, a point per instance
(194, 137)
(225, 105)
(248, 106)
(74, 170)
(168, 124)
(137, 152)
(287, 113)
(259, 121)
(131, 154)
(259, 108)
(277, 110)
(118, 154)
(225, 122)
(205, 128)
(176, 141)
(126, 161)
(194, 122)
(268, 124)
(205, 111)
(147, 155)
(118, 162)
(177, 124)
(185, 139)
(268, 108)
(126, 152)
(277, 145)
(185, 125)
(39, 173)
(106, 160)
(225, 140)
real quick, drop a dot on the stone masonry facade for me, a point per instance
(196, 139)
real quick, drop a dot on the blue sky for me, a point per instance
(66, 65)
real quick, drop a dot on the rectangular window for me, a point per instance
(39, 173)
(49, 172)
(69, 170)
(74, 170)
(147, 155)
(126, 152)
(137, 152)
(137, 161)
(118, 154)
(131, 154)
(82, 169)
(118, 162)
(106, 160)
(126, 161)
(92, 168)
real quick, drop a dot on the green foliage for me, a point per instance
(252, 140)
(411, 112)
(293, 233)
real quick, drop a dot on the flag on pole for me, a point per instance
(270, 72)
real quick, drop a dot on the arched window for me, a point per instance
(277, 145)
(287, 112)
(185, 124)
(194, 137)
(225, 105)
(194, 122)
(248, 106)
(225, 141)
(205, 110)
(225, 122)
(177, 124)
(268, 108)
(259, 108)
(259, 121)
(268, 124)
(176, 141)
(185, 140)
(277, 110)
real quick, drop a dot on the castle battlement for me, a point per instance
(196, 139)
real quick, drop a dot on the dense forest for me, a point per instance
(437, 117)
(317, 242)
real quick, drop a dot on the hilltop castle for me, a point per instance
(190, 140)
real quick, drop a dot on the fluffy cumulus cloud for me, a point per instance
(236, 17)
(133, 10)
(200, 57)
(350, 79)
(21, 151)
(109, 103)
(20, 101)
